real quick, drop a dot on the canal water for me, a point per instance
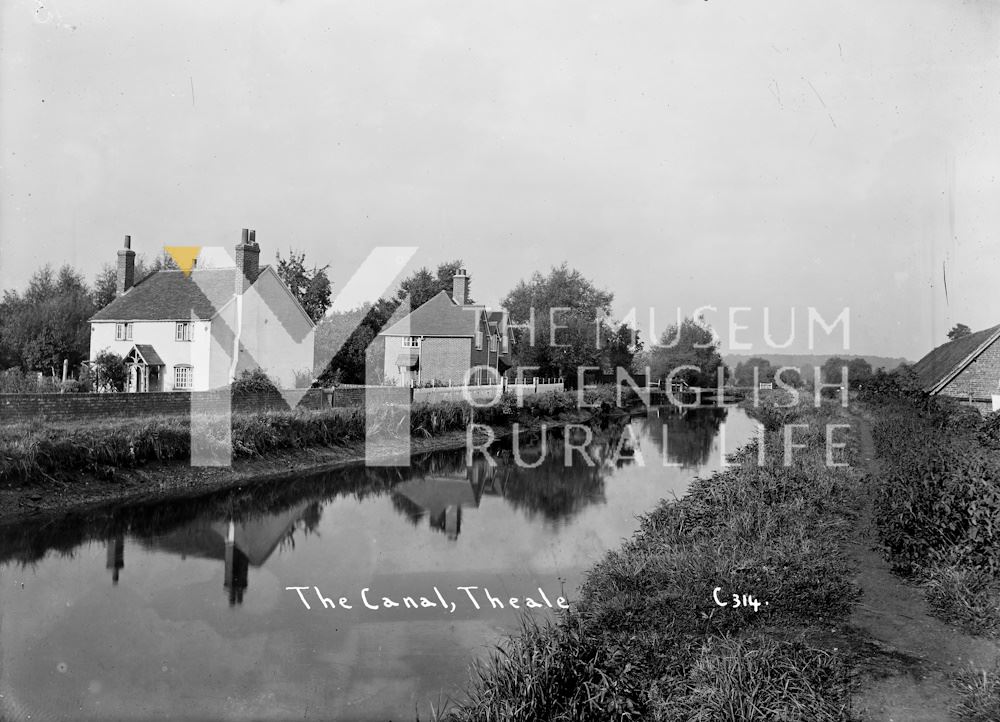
(182, 609)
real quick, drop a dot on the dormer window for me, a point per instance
(411, 342)
(123, 332)
(182, 331)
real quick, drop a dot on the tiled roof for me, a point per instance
(938, 367)
(170, 295)
(440, 316)
(148, 354)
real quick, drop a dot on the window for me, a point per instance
(493, 343)
(183, 376)
(411, 342)
(479, 340)
(123, 332)
(182, 332)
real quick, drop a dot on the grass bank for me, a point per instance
(40, 452)
(648, 640)
(937, 504)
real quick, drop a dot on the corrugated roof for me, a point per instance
(440, 316)
(170, 295)
(938, 367)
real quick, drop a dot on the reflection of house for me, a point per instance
(239, 544)
(443, 497)
(444, 338)
(180, 330)
(967, 368)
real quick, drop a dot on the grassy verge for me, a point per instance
(647, 640)
(937, 505)
(35, 452)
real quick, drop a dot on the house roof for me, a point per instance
(940, 366)
(440, 316)
(147, 353)
(170, 295)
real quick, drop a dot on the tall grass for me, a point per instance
(648, 641)
(38, 451)
(937, 502)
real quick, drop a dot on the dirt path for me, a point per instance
(920, 652)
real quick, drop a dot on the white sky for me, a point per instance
(680, 153)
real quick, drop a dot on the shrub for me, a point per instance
(253, 381)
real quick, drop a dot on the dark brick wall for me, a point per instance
(355, 397)
(82, 407)
(980, 379)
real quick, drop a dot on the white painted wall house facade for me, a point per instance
(182, 331)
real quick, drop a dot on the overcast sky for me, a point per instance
(680, 153)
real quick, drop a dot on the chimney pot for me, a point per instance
(253, 236)
(128, 241)
(246, 234)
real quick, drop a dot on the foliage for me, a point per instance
(959, 330)
(421, 286)
(109, 371)
(311, 287)
(16, 381)
(253, 381)
(859, 371)
(48, 322)
(567, 310)
(937, 504)
(347, 343)
(980, 690)
(692, 343)
(646, 640)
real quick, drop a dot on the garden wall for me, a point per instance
(71, 407)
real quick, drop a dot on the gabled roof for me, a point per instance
(146, 353)
(172, 296)
(940, 366)
(440, 316)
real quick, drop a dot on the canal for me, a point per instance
(181, 609)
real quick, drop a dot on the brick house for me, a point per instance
(199, 329)
(967, 368)
(440, 341)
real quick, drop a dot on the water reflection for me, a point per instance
(180, 608)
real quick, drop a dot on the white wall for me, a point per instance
(161, 336)
(275, 335)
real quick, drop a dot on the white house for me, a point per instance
(198, 330)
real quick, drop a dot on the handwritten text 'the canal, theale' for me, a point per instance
(472, 596)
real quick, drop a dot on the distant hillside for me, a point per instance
(807, 362)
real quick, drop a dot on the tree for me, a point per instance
(859, 372)
(422, 285)
(109, 371)
(743, 373)
(49, 323)
(575, 306)
(832, 370)
(105, 286)
(690, 344)
(311, 287)
(959, 331)
(621, 343)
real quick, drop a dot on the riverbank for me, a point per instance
(830, 633)
(728, 604)
(50, 469)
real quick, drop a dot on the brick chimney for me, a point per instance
(247, 260)
(460, 287)
(126, 267)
